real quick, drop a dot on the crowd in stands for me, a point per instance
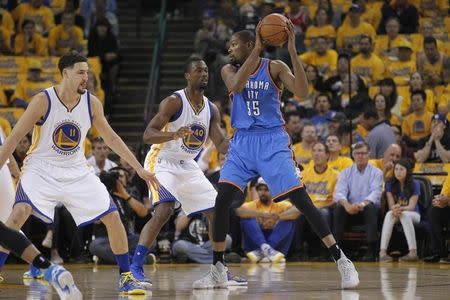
(372, 136)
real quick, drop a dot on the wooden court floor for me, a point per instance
(282, 281)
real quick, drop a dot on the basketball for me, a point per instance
(272, 30)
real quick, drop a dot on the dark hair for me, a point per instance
(387, 108)
(430, 40)
(287, 116)
(69, 59)
(97, 140)
(189, 61)
(421, 93)
(359, 145)
(370, 112)
(245, 36)
(408, 188)
(26, 22)
(327, 150)
(392, 99)
(317, 12)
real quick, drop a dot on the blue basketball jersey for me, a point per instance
(258, 104)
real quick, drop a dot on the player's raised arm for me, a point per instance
(215, 132)
(168, 108)
(233, 78)
(116, 143)
(296, 83)
(36, 111)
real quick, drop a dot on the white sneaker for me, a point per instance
(216, 278)
(255, 255)
(62, 281)
(348, 272)
(272, 254)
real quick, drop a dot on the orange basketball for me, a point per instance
(272, 30)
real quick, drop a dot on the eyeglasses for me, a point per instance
(360, 153)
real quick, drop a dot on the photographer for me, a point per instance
(115, 181)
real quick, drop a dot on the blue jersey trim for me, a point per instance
(42, 121)
(91, 117)
(178, 114)
(210, 110)
(22, 197)
(112, 207)
(200, 211)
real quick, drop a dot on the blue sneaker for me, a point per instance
(62, 281)
(234, 280)
(138, 273)
(129, 285)
(33, 273)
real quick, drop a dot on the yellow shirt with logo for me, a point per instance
(406, 103)
(348, 35)
(328, 60)
(400, 71)
(320, 187)
(417, 127)
(370, 69)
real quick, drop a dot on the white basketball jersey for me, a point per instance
(189, 147)
(58, 138)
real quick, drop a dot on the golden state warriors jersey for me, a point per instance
(190, 146)
(59, 136)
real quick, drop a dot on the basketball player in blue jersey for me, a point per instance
(185, 120)
(262, 146)
(55, 169)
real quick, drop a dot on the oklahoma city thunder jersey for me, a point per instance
(189, 147)
(58, 138)
(258, 104)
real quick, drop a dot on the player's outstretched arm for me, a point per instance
(215, 132)
(36, 110)
(154, 133)
(113, 140)
(235, 79)
(296, 83)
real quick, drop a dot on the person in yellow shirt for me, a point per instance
(323, 58)
(29, 42)
(416, 127)
(390, 157)
(432, 63)
(3, 99)
(366, 64)
(386, 45)
(5, 125)
(321, 27)
(66, 36)
(302, 150)
(426, 30)
(29, 87)
(348, 35)
(5, 41)
(416, 84)
(401, 70)
(444, 101)
(6, 20)
(36, 11)
(336, 161)
(267, 227)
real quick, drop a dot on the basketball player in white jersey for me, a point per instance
(178, 132)
(55, 169)
(7, 184)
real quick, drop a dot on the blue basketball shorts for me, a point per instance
(264, 152)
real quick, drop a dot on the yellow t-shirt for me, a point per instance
(433, 69)
(378, 163)
(302, 153)
(327, 61)
(444, 99)
(313, 32)
(5, 125)
(446, 187)
(320, 187)
(349, 36)
(363, 132)
(5, 37)
(341, 163)
(42, 16)
(7, 21)
(429, 103)
(371, 16)
(417, 127)
(25, 90)
(275, 208)
(371, 69)
(37, 45)
(400, 71)
(416, 40)
(58, 33)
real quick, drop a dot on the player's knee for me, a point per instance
(111, 218)
(19, 215)
(163, 212)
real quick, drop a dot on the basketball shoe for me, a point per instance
(348, 272)
(129, 285)
(33, 273)
(62, 281)
(216, 278)
(139, 275)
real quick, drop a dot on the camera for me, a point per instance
(109, 179)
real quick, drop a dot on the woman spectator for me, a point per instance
(389, 90)
(416, 84)
(103, 43)
(315, 86)
(402, 193)
(384, 112)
